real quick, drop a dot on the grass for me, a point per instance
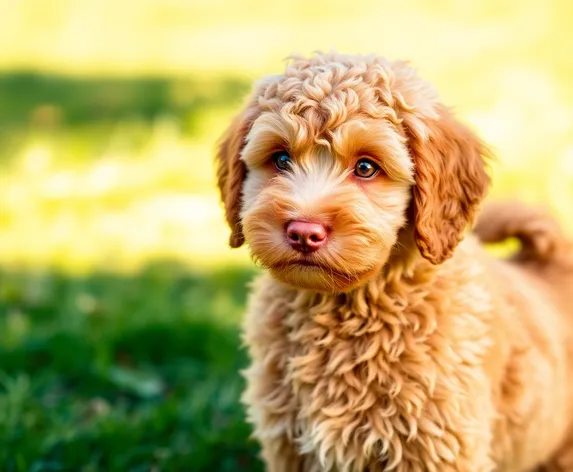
(123, 373)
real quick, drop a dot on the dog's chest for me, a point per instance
(361, 384)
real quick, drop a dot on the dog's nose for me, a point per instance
(304, 236)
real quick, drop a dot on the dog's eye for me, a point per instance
(282, 160)
(365, 169)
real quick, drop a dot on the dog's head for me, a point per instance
(327, 163)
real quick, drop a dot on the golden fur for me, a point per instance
(405, 346)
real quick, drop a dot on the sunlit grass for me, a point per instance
(120, 208)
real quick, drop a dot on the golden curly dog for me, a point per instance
(381, 338)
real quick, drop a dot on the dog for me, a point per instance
(382, 335)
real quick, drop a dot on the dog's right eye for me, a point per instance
(366, 169)
(282, 160)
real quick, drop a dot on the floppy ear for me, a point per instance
(450, 182)
(231, 170)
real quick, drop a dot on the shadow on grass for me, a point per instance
(123, 373)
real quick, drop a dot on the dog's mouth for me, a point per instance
(303, 263)
(309, 264)
(311, 274)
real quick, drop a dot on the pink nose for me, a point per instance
(304, 236)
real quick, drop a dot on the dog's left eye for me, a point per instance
(365, 169)
(282, 160)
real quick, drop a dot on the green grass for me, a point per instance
(123, 373)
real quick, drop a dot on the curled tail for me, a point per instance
(540, 235)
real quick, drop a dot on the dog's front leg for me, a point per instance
(281, 455)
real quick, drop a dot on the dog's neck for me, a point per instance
(405, 279)
(403, 282)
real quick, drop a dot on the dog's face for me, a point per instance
(324, 212)
(319, 171)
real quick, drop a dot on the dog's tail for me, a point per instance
(540, 235)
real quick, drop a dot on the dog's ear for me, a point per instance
(231, 170)
(451, 179)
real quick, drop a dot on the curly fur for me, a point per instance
(405, 346)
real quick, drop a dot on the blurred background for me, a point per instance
(120, 302)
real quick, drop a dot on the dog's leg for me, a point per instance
(269, 400)
(280, 455)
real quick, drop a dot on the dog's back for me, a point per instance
(542, 270)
